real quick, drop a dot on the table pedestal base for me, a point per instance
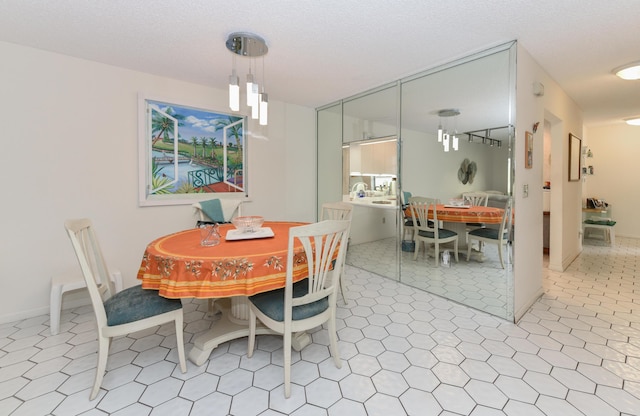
(228, 328)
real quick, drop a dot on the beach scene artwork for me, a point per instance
(193, 151)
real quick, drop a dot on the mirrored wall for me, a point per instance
(389, 148)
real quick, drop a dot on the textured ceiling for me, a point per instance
(321, 51)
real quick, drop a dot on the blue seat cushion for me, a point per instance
(442, 233)
(491, 233)
(136, 303)
(272, 303)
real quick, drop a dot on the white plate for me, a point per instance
(263, 232)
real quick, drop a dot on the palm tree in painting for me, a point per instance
(205, 142)
(162, 126)
(213, 148)
(194, 142)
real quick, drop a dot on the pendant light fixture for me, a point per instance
(250, 46)
(448, 141)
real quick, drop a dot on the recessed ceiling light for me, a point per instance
(629, 71)
(635, 121)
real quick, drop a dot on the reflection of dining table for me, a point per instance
(179, 267)
(457, 217)
(467, 214)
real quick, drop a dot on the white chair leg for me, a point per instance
(103, 354)
(180, 341)
(436, 252)
(343, 290)
(333, 341)
(287, 363)
(500, 255)
(468, 251)
(455, 249)
(252, 333)
(55, 308)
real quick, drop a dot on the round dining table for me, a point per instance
(456, 219)
(242, 265)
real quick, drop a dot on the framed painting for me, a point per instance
(186, 154)
(575, 146)
(528, 146)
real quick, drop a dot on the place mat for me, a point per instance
(235, 234)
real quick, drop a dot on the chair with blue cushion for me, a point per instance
(427, 230)
(475, 199)
(122, 313)
(337, 211)
(218, 209)
(310, 302)
(499, 236)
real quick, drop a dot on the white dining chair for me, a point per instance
(310, 302)
(218, 209)
(122, 313)
(338, 211)
(499, 236)
(428, 231)
(63, 283)
(475, 199)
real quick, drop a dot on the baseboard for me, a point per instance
(520, 312)
(32, 313)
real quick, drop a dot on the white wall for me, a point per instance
(616, 150)
(70, 143)
(565, 117)
(438, 178)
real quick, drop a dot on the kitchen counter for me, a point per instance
(384, 202)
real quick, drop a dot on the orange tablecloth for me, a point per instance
(179, 267)
(487, 215)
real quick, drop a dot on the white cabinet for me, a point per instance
(374, 159)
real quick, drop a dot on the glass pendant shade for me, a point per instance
(455, 142)
(264, 109)
(250, 89)
(234, 93)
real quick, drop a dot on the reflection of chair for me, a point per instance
(337, 211)
(475, 199)
(498, 236)
(217, 210)
(407, 221)
(122, 313)
(311, 301)
(430, 232)
(65, 283)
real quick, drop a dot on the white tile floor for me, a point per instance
(576, 352)
(483, 286)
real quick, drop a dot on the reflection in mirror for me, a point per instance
(471, 101)
(370, 164)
